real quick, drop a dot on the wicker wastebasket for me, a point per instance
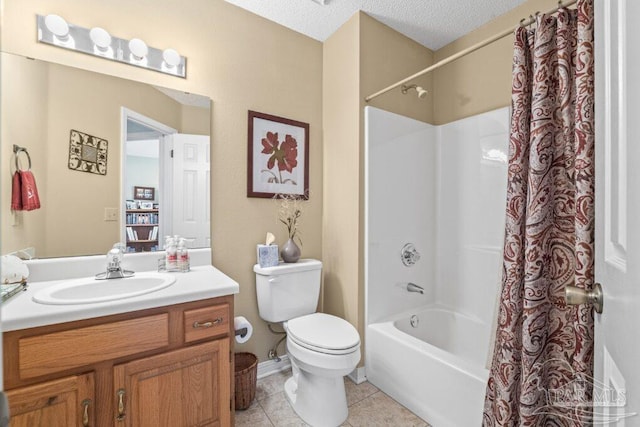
(246, 372)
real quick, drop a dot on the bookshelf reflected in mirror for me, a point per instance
(142, 230)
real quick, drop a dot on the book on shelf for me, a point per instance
(142, 218)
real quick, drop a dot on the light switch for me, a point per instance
(110, 214)
(16, 218)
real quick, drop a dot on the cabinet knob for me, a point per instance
(121, 412)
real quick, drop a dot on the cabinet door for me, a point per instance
(65, 402)
(186, 387)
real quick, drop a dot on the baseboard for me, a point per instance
(358, 375)
(269, 367)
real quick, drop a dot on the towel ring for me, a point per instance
(17, 150)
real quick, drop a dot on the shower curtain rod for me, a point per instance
(469, 50)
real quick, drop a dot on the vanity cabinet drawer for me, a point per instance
(206, 322)
(58, 351)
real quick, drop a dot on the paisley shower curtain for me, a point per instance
(541, 372)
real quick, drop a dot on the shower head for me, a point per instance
(422, 93)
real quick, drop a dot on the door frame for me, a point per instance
(165, 178)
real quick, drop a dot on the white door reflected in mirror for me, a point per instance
(191, 177)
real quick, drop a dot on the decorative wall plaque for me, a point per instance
(87, 153)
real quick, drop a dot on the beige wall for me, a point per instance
(242, 62)
(341, 104)
(195, 120)
(387, 56)
(480, 81)
(22, 106)
(361, 57)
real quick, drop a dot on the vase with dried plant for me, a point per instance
(289, 214)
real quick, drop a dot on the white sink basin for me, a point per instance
(90, 290)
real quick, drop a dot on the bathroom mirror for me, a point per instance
(47, 108)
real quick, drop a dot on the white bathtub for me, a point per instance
(436, 369)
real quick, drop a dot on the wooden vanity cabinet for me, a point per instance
(166, 366)
(59, 403)
(173, 389)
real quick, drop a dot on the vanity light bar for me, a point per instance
(54, 30)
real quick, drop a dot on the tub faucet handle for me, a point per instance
(409, 255)
(412, 287)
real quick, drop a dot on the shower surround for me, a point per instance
(442, 188)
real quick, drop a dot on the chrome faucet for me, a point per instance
(412, 287)
(114, 267)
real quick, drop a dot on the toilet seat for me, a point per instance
(324, 333)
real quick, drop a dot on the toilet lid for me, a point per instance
(323, 332)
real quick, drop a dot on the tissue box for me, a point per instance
(267, 255)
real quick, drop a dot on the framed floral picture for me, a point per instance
(278, 156)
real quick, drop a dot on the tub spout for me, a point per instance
(412, 287)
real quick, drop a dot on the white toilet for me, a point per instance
(322, 348)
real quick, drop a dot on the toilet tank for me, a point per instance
(288, 290)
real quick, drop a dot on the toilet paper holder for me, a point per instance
(242, 329)
(242, 332)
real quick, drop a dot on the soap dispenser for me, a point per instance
(171, 254)
(183, 255)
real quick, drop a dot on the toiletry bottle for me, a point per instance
(183, 255)
(171, 254)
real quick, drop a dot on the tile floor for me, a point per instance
(368, 407)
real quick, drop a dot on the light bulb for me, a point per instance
(100, 38)
(171, 58)
(138, 49)
(58, 27)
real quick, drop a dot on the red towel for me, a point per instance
(16, 193)
(24, 193)
(30, 198)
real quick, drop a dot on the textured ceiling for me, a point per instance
(432, 23)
